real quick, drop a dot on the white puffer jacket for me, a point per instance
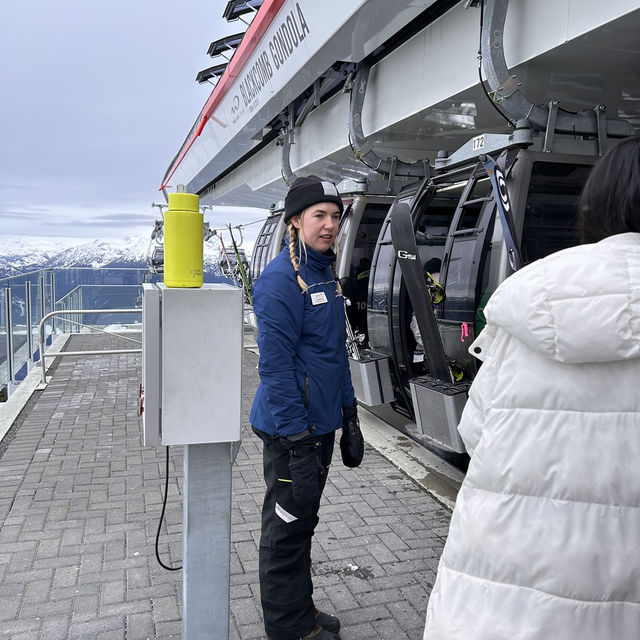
(544, 541)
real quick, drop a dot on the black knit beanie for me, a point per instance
(307, 191)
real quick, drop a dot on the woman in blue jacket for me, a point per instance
(305, 394)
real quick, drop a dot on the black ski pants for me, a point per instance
(285, 543)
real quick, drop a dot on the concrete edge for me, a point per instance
(437, 477)
(16, 402)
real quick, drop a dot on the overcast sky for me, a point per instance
(97, 97)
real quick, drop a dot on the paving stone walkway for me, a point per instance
(80, 499)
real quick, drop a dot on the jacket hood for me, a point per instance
(577, 305)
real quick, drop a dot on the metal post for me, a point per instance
(27, 295)
(53, 300)
(76, 317)
(80, 305)
(10, 372)
(206, 541)
(42, 305)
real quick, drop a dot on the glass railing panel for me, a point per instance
(36, 314)
(22, 290)
(68, 279)
(108, 288)
(49, 304)
(110, 297)
(74, 289)
(68, 322)
(19, 328)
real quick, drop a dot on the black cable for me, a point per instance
(246, 224)
(484, 89)
(164, 506)
(241, 226)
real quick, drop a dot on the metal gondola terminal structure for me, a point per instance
(459, 132)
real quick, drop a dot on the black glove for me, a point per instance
(351, 441)
(305, 467)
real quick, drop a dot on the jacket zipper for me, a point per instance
(306, 391)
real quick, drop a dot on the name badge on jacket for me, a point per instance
(318, 298)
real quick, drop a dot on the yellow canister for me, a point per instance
(183, 241)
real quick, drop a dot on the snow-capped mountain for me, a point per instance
(18, 255)
(130, 252)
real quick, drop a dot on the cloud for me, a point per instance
(89, 130)
(128, 218)
(13, 210)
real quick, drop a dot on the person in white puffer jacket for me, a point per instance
(544, 538)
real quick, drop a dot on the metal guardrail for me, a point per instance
(44, 355)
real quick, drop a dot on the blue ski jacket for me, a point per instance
(304, 369)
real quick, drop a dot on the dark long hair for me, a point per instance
(610, 200)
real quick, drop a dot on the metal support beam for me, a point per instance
(206, 541)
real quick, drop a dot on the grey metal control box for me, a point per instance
(192, 364)
(438, 406)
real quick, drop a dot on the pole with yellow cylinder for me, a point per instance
(183, 241)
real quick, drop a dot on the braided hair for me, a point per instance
(293, 237)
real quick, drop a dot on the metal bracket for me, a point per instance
(600, 111)
(362, 151)
(255, 11)
(551, 126)
(508, 88)
(287, 138)
(486, 143)
(294, 115)
(392, 173)
(320, 85)
(351, 185)
(505, 90)
(348, 83)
